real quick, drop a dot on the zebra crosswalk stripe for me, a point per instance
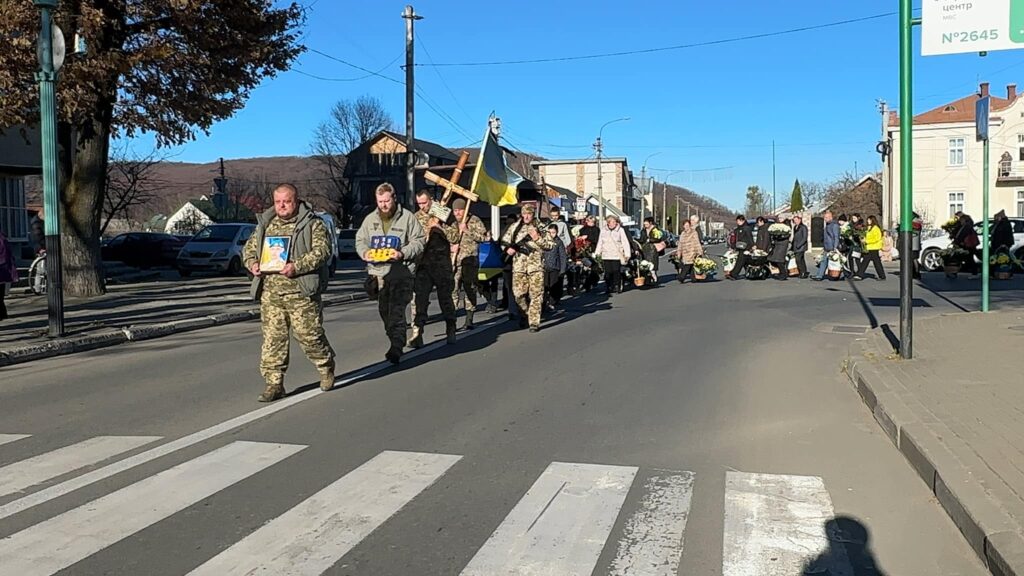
(775, 526)
(8, 438)
(63, 540)
(308, 539)
(652, 541)
(26, 473)
(559, 527)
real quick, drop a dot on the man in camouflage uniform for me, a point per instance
(394, 278)
(467, 263)
(434, 270)
(291, 297)
(525, 242)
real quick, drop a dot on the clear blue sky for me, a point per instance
(813, 92)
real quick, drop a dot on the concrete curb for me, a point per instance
(113, 337)
(958, 487)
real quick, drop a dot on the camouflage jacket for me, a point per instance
(475, 233)
(534, 261)
(438, 248)
(309, 251)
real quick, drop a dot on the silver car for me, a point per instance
(216, 248)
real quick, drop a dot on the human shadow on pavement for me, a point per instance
(848, 551)
(872, 319)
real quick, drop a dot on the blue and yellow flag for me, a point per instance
(493, 181)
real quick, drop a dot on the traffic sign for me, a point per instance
(959, 26)
(981, 118)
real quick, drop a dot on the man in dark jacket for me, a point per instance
(763, 240)
(743, 240)
(592, 232)
(800, 245)
(829, 243)
(555, 262)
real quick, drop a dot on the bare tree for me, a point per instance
(757, 201)
(190, 224)
(129, 183)
(350, 124)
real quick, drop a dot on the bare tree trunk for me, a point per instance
(82, 210)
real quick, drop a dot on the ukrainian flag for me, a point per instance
(493, 181)
(490, 261)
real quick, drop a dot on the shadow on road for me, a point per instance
(848, 540)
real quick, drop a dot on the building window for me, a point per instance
(956, 151)
(956, 203)
(13, 218)
(1020, 138)
(1020, 203)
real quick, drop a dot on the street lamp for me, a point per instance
(646, 185)
(51, 57)
(598, 147)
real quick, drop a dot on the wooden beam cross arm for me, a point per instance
(450, 188)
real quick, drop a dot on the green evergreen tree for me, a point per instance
(796, 201)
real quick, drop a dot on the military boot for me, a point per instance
(449, 326)
(273, 391)
(468, 325)
(393, 355)
(326, 381)
(416, 340)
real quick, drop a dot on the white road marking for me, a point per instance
(8, 438)
(560, 526)
(775, 526)
(311, 537)
(652, 542)
(58, 490)
(63, 540)
(20, 475)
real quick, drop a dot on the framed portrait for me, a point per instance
(275, 252)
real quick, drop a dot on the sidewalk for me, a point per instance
(141, 311)
(956, 413)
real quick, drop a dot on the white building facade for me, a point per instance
(580, 176)
(948, 160)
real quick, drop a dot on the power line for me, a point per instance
(356, 66)
(377, 73)
(419, 40)
(669, 48)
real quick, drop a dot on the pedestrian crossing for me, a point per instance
(574, 519)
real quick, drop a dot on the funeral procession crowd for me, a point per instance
(411, 255)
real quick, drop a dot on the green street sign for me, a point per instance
(961, 26)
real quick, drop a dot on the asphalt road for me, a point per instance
(697, 429)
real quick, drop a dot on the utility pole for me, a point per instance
(773, 176)
(884, 149)
(51, 58)
(664, 194)
(410, 16)
(494, 125)
(679, 219)
(600, 190)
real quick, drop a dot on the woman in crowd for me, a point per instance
(763, 240)
(591, 233)
(614, 249)
(872, 245)
(966, 238)
(887, 246)
(688, 250)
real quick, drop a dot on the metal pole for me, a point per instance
(47, 77)
(600, 190)
(984, 232)
(664, 193)
(773, 177)
(906, 183)
(410, 16)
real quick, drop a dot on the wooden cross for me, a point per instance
(452, 186)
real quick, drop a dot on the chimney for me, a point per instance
(1011, 92)
(984, 89)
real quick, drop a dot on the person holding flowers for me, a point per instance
(779, 234)
(872, 247)
(688, 251)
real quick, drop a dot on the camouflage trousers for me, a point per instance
(428, 278)
(528, 289)
(394, 297)
(300, 316)
(465, 279)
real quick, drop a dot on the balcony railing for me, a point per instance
(1010, 172)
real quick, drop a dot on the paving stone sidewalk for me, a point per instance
(140, 311)
(956, 412)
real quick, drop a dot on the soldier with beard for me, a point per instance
(394, 278)
(525, 242)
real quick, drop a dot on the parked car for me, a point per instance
(142, 249)
(216, 248)
(347, 243)
(931, 259)
(332, 235)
